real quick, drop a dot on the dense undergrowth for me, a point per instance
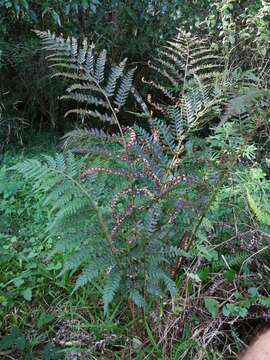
(224, 281)
(39, 311)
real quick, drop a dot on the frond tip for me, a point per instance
(184, 60)
(94, 83)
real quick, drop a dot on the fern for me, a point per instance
(182, 61)
(98, 265)
(263, 216)
(93, 84)
(137, 298)
(111, 287)
(190, 88)
(124, 89)
(185, 72)
(265, 301)
(123, 209)
(78, 221)
(231, 260)
(59, 179)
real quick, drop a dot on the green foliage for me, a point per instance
(16, 338)
(262, 215)
(11, 126)
(152, 219)
(23, 248)
(109, 25)
(212, 306)
(27, 94)
(23, 75)
(75, 210)
(82, 65)
(29, 13)
(131, 240)
(240, 24)
(193, 89)
(183, 59)
(29, 267)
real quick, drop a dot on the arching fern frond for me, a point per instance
(183, 60)
(183, 77)
(111, 287)
(95, 85)
(59, 178)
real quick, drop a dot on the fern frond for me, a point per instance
(91, 272)
(265, 301)
(59, 172)
(137, 298)
(88, 99)
(152, 220)
(100, 66)
(186, 57)
(77, 259)
(263, 216)
(186, 70)
(111, 286)
(166, 134)
(86, 114)
(176, 122)
(83, 138)
(235, 260)
(87, 86)
(116, 73)
(88, 70)
(125, 87)
(89, 64)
